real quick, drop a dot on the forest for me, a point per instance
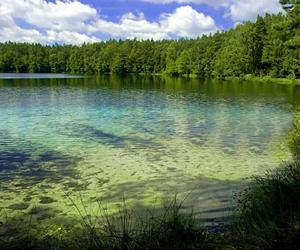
(268, 47)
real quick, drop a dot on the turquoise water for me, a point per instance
(144, 138)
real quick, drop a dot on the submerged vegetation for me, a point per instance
(266, 216)
(268, 47)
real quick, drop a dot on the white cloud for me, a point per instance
(129, 26)
(237, 10)
(74, 22)
(48, 15)
(10, 31)
(215, 3)
(51, 22)
(250, 9)
(187, 22)
(68, 37)
(184, 22)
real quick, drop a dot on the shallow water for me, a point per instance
(143, 138)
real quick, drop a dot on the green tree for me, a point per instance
(183, 62)
(235, 58)
(172, 54)
(258, 39)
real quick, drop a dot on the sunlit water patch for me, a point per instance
(140, 137)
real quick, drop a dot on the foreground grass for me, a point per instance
(166, 229)
(268, 213)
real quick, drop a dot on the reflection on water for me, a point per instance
(142, 137)
(35, 76)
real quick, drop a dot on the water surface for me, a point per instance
(145, 138)
(36, 76)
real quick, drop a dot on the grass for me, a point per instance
(294, 138)
(268, 212)
(167, 228)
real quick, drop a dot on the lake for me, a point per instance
(99, 139)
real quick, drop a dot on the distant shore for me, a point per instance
(194, 76)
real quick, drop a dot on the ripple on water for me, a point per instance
(146, 142)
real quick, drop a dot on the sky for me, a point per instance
(87, 21)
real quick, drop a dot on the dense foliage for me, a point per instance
(295, 138)
(270, 46)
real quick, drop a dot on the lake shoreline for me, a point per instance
(66, 75)
(194, 76)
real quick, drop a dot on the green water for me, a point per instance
(145, 138)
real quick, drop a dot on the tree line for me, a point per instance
(268, 47)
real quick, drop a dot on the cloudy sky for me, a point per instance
(79, 21)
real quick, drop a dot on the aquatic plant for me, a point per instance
(267, 216)
(295, 137)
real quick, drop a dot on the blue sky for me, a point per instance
(114, 9)
(79, 21)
